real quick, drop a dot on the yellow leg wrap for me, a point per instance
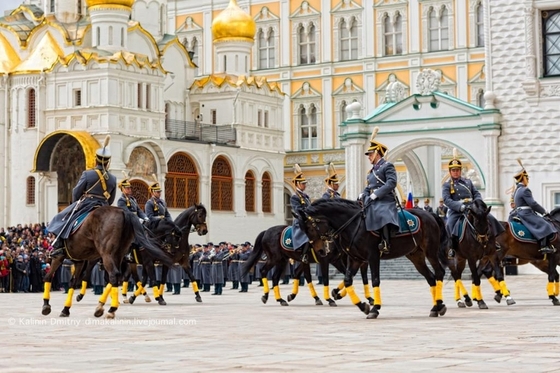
(367, 292)
(276, 292)
(83, 289)
(115, 297)
(457, 291)
(353, 296)
(266, 288)
(462, 288)
(504, 289)
(377, 296)
(341, 286)
(433, 292)
(124, 288)
(155, 289)
(68, 302)
(477, 294)
(312, 289)
(439, 290)
(295, 287)
(556, 288)
(139, 289)
(495, 285)
(342, 293)
(550, 288)
(47, 291)
(326, 292)
(194, 287)
(103, 297)
(160, 290)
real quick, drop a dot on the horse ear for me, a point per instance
(488, 209)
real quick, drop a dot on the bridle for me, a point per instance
(480, 238)
(331, 236)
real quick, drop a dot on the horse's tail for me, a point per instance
(143, 241)
(443, 240)
(255, 254)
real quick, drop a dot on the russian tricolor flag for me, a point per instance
(409, 203)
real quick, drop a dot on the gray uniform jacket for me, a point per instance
(299, 201)
(157, 209)
(175, 274)
(331, 194)
(206, 268)
(217, 267)
(526, 210)
(89, 193)
(130, 204)
(381, 180)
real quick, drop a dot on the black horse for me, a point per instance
(340, 223)
(477, 246)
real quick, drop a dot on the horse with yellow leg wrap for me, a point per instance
(339, 224)
(106, 233)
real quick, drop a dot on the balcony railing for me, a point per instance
(197, 131)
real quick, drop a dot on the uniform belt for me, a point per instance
(67, 265)
(524, 208)
(235, 261)
(94, 196)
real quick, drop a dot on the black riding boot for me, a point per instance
(453, 245)
(546, 248)
(304, 251)
(57, 247)
(385, 243)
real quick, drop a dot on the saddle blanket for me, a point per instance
(408, 224)
(286, 239)
(78, 223)
(520, 232)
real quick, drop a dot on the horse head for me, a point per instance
(198, 219)
(477, 219)
(318, 231)
(167, 232)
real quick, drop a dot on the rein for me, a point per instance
(480, 238)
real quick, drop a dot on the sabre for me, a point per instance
(67, 220)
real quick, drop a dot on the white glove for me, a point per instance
(146, 220)
(373, 196)
(360, 196)
(141, 220)
(463, 207)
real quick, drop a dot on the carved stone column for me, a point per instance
(531, 83)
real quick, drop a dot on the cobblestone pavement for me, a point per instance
(236, 331)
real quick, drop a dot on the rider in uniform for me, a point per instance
(458, 193)
(128, 203)
(155, 206)
(332, 184)
(528, 210)
(378, 197)
(299, 201)
(96, 187)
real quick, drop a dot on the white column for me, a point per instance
(368, 29)
(286, 33)
(462, 17)
(326, 30)
(492, 195)
(356, 167)
(208, 62)
(239, 203)
(462, 83)
(414, 26)
(327, 117)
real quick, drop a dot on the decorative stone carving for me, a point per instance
(395, 91)
(354, 110)
(550, 91)
(142, 163)
(334, 157)
(296, 159)
(428, 82)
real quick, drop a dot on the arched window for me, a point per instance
(306, 42)
(98, 36)
(348, 40)
(31, 108)
(438, 27)
(110, 35)
(181, 183)
(480, 101)
(479, 25)
(193, 52)
(551, 42)
(392, 30)
(122, 37)
(266, 48)
(343, 113)
(266, 193)
(30, 191)
(308, 127)
(140, 191)
(222, 185)
(250, 192)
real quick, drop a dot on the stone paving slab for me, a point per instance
(236, 331)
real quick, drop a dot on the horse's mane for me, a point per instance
(318, 206)
(183, 218)
(479, 206)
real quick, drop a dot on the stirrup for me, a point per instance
(548, 249)
(57, 252)
(304, 258)
(383, 248)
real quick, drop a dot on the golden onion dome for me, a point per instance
(123, 3)
(233, 24)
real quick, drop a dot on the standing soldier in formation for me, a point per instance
(96, 187)
(531, 213)
(195, 264)
(234, 271)
(206, 267)
(243, 256)
(218, 269)
(332, 183)
(258, 267)
(381, 215)
(225, 262)
(66, 274)
(299, 201)
(155, 206)
(174, 277)
(427, 206)
(98, 278)
(442, 210)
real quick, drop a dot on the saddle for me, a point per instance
(286, 239)
(79, 221)
(409, 224)
(520, 232)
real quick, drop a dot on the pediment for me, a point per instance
(390, 2)
(347, 6)
(305, 10)
(265, 15)
(479, 77)
(347, 88)
(306, 91)
(189, 26)
(418, 108)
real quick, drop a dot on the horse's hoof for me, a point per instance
(46, 310)
(291, 297)
(79, 297)
(131, 299)
(264, 298)
(377, 306)
(198, 298)
(468, 301)
(110, 315)
(461, 304)
(371, 301)
(332, 303)
(510, 301)
(498, 297)
(482, 305)
(442, 309)
(336, 294)
(555, 301)
(364, 307)
(434, 312)
(373, 314)
(147, 299)
(318, 302)
(125, 301)
(283, 302)
(64, 313)
(162, 302)
(99, 311)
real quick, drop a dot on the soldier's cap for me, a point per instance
(376, 146)
(299, 178)
(427, 200)
(210, 244)
(234, 246)
(103, 154)
(217, 246)
(155, 187)
(247, 243)
(222, 243)
(198, 245)
(124, 184)
(441, 199)
(332, 177)
(455, 162)
(416, 200)
(518, 177)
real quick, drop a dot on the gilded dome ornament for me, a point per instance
(120, 3)
(233, 24)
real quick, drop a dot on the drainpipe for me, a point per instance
(5, 83)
